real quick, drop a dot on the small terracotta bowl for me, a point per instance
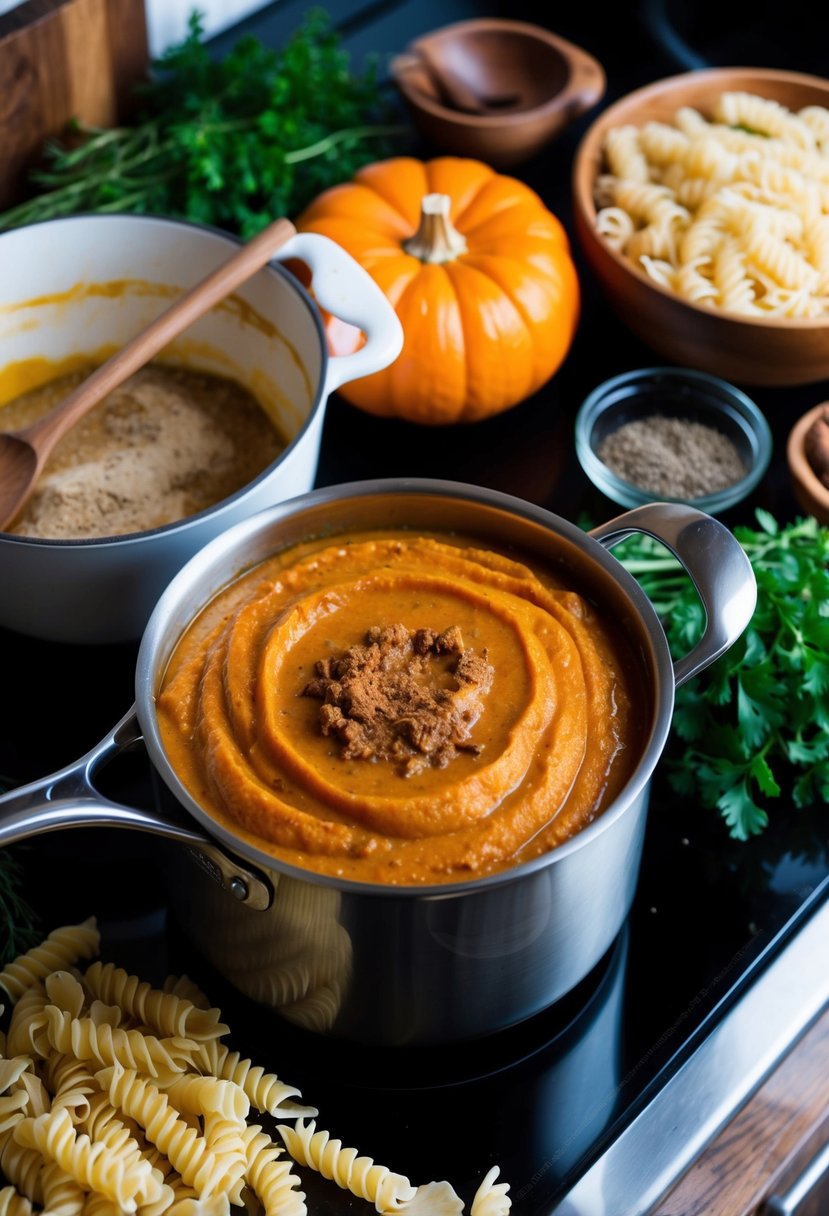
(494, 89)
(753, 350)
(811, 494)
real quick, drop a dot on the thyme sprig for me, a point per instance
(231, 142)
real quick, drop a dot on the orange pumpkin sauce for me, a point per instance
(555, 740)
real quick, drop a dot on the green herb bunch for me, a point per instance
(757, 722)
(233, 142)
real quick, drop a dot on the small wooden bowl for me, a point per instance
(751, 350)
(494, 89)
(811, 494)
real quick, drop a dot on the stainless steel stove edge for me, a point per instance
(648, 1157)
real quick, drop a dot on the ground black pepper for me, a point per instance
(672, 456)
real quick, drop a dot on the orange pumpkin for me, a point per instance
(479, 272)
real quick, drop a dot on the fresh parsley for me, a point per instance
(233, 142)
(755, 726)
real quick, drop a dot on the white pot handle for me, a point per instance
(344, 288)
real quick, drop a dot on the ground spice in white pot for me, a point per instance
(165, 444)
(676, 457)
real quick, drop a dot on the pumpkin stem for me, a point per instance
(437, 239)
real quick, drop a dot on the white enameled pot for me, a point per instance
(82, 287)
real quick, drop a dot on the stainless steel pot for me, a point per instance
(410, 964)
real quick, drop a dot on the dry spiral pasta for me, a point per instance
(62, 947)
(224, 1140)
(13, 1204)
(161, 1129)
(183, 986)
(37, 1096)
(389, 1192)
(21, 1166)
(732, 211)
(86, 1040)
(71, 1082)
(11, 1109)
(188, 1152)
(491, 1197)
(191, 1205)
(264, 1090)
(62, 1195)
(167, 1013)
(65, 990)
(95, 1167)
(209, 1095)
(270, 1176)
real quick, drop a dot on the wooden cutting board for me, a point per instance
(61, 59)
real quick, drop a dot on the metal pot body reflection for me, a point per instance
(413, 969)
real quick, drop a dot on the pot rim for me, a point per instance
(661, 674)
(225, 504)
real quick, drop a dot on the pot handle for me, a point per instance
(348, 291)
(586, 81)
(69, 798)
(713, 559)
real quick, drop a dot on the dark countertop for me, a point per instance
(509, 1095)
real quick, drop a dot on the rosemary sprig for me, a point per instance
(231, 142)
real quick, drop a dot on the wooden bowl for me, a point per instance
(811, 494)
(749, 349)
(494, 89)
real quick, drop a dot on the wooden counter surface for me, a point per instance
(767, 1146)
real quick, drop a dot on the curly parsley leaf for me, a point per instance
(757, 720)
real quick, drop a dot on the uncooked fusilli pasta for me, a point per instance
(61, 948)
(270, 1176)
(491, 1197)
(161, 1129)
(95, 1167)
(730, 212)
(165, 1012)
(388, 1192)
(85, 1040)
(13, 1204)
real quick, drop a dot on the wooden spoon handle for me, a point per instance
(249, 258)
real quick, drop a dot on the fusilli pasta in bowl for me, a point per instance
(702, 206)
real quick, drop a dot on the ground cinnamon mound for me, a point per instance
(408, 696)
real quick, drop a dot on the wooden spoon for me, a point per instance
(451, 86)
(24, 453)
(453, 90)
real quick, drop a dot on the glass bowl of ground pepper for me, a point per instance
(672, 435)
